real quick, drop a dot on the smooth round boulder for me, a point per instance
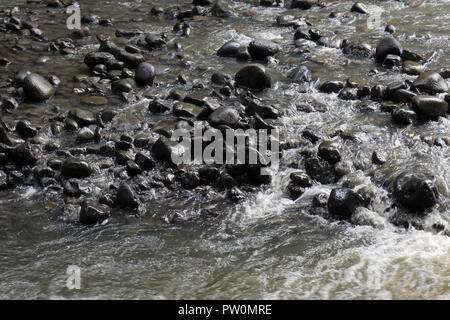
(145, 73)
(253, 77)
(430, 106)
(388, 45)
(414, 192)
(94, 58)
(260, 49)
(75, 168)
(430, 82)
(123, 85)
(343, 202)
(37, 88)
(224, 116)
(229, 49)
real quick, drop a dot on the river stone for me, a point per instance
(126, 198)
(123, 85)
(183, 109)
(330, 151)
(301, 179)
(145, 73)
(320, 170)
(24, 155)
(260, 49)
(412, 68)
(388, 45)
(331, 86)
(253, 77)
(20, 76)
(189, 180)
(25, 128)
(82, 117)
(144, 161)
(430, 106)
(92, 212)
(343, 202)
(359, 7)
(37, 88)
(221, 9)
(430, 82)
(75, 168)
(221, 78)
(302, 4)
(94, 58)
(224, 116)
(415, 192)
(131, 60)
(209, 173)
(229, 49)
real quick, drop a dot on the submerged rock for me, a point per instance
(37, 88)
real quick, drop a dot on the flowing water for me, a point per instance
(268, 246)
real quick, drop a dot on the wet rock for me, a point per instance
(224, 116)
(75, 168)
(71, 187)
(403, 95)
(301, 179)
(301, 34)
(162, 149)
(92, 212)
(133, 168)
(430, 82)
(253, 77)
(126, 197)
(155, 42)
(343, 202)
(145, 73)
(302, 4)
(388, 45)
(26, 129)
(144, 161)
(348, 94)
(24, 155)
(331, 86)
(330, 151)
(20, 76)
(379, 157)
(300, 75)
(131, 60)
(209, 173)
(85, 134)
(221, 78)
(82, 117)
(404, 115)
(408, 55)
(37, 88)
(360, 8)
(260, 49)
(390, 28)
(294, 191)
(415, 192)
(254, 107)
(202, 2)
(430, 106)
(229, 49)
(320, 200)
(357, 49)
(189, 180)
(378, 92)
(320, 170)
(391, 61)
(123, 85)
(94, 58)
(235, 194)
(182, 109)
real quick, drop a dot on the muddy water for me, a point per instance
(267, 246)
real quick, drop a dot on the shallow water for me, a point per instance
(267, 247)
